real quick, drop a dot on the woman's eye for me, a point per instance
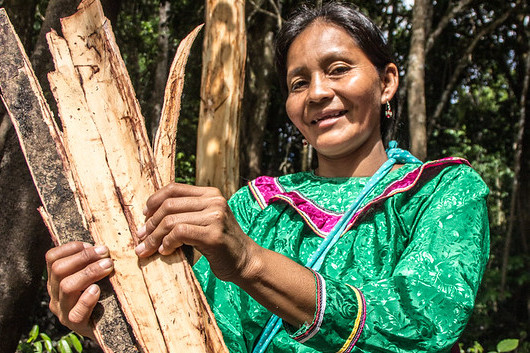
(298, 85)
(339, 70)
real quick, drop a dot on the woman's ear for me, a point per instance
(389, 82)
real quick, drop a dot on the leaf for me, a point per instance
(45, 337)
(25, 347)
(37, 347)
(75, 342)
(33, 334)
(63, 346)
(508, 345)
(47, 342)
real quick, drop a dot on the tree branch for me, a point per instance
(466, 58)
(277, 15)
(451, 13)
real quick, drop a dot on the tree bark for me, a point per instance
(23, 234)
(161, 72)
(221, 92)
(260, 76)
(166, 138)
(99, 113)
(25, 102)
(416, 82)
(161, 298)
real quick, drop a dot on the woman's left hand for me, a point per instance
(181, 214)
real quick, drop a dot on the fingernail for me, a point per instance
(140, 249)
(101, 250)
(87, 245)
(105, 263)
(145, 210)
(140, 232)
(93, 289)
(161, 249)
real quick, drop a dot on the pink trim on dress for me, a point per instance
(268, 189)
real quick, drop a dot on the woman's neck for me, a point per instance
(363, 163)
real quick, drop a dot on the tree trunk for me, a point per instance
(260, 76)
(416, 82)
(23, 234)
(161, 72)
(518, 161)
(221, 92)
(22, 15)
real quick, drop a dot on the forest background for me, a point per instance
(465, 68)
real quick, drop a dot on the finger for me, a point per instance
(177, 236)
(80, 313)
(153, 240)
(172, 211)
(69, 265)
(63, 251)
(71, 287)
(175, 190)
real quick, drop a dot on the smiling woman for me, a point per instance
(334, 98)
(373, 251)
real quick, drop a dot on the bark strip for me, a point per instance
(41, 144)
(166, 137)
(160, 297)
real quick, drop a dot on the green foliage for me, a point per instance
(506, 345)
(40, 342)
(185, 168)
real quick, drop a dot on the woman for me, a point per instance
(405, 244)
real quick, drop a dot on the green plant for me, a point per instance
(40, 342)
(507, 345)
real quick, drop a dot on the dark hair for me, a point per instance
(365, 33)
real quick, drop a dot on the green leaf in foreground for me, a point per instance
(37, 346)
(33, 334)
(507, 345)
(75, 342)
(63, 346)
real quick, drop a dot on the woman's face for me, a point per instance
(335, 92)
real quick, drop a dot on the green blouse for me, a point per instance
(403, 278)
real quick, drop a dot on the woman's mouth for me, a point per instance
(330, 116)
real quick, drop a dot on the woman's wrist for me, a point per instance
(251, 265)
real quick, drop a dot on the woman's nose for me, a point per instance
(319, 90)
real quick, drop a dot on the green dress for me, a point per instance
(403, 277)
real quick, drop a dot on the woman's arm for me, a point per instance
(199, 216)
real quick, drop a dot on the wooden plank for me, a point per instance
(223, 74)
(42, 146)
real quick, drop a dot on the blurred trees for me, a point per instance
(476, 106)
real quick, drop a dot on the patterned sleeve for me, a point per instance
(244, 207)
(426, 302)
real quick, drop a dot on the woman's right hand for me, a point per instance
(73, 269)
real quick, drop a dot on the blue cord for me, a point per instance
(317, 259)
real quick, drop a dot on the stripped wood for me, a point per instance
(41, 143)
(100, 114)
(223, 75)
(166, 136)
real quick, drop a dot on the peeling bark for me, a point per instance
(159, 296)
(221, 93)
